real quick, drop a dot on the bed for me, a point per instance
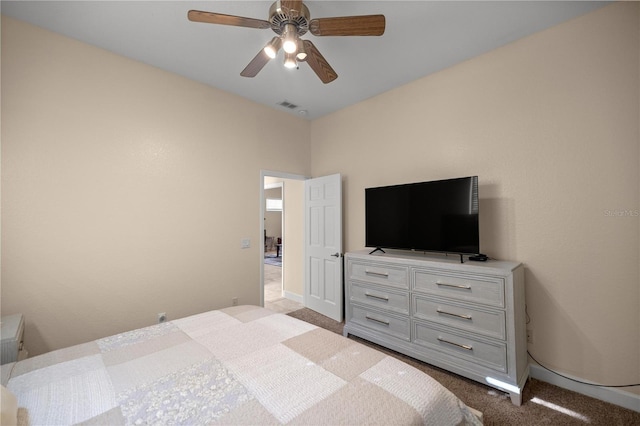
(239, 365)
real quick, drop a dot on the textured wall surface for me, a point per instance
(550, 124)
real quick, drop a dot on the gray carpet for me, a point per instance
(497, 406)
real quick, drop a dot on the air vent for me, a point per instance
(287, 104)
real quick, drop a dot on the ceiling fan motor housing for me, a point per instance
(279, 16)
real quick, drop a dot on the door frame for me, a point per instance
(263, 174)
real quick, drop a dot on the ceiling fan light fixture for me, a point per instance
(290, 60)
(302, 53)
(290, 38)
(272, 48)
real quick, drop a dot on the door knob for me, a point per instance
(336, 254)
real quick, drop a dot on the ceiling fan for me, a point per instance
(290, 20)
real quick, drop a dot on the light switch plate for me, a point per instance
(245, 243)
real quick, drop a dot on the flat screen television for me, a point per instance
(436, 216)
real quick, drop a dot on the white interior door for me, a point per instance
(323, 289)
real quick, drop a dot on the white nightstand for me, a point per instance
(11, 333)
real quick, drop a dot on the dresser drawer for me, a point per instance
(395, 276)
(467, 317)
(461, 345)
(380, 321)
(385, 298)
(487, 290)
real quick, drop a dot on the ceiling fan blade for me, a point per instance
(365, 25)
(318, 63)
(219, 18)
(256, 64)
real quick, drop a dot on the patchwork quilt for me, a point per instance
(240, 365)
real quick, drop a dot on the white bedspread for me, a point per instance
(241, 365)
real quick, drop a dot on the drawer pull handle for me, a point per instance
(380, 274)
(467, 317)
(465, 347)
(377, 320)
(466, 287)
(386, 299)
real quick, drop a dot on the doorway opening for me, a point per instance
(282, 227)
(273, 247)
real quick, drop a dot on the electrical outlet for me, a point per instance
(529, 336)
(162, 317)
(234, 301)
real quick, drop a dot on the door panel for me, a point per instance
(314, 286)
(323, 265)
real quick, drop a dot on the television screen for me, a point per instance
(439, 216)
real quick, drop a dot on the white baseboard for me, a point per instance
(293, 296)
(612, 395)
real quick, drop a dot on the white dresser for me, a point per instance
(12, 333)
(467, 318)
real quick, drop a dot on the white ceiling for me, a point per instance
(421, 37)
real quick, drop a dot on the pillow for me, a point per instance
(8, 407)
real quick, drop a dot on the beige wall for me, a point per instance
(550, 125)
(117, 202)
(293, 261)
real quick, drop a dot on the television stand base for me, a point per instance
(459, 254)
(377, 249)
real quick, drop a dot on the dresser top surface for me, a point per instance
(10, 326)
(451, 261)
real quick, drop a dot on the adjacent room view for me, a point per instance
(274, 249)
